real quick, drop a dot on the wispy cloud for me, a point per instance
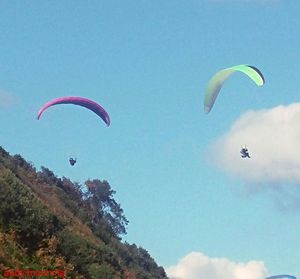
(197, 265)
(7, 99)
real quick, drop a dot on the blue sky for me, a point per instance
(148, 63)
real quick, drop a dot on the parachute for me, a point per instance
(283, 276)
(216, 82)
(89, 104)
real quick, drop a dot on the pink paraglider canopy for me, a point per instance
(89, 104)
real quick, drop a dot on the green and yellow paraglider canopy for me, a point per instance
(217, 81)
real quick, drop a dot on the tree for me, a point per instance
(47, 176)
(102, 205)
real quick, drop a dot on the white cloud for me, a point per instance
(197, 265)
(273, 139)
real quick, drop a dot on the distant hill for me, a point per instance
(51, 223)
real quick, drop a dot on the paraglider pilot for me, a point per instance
(72, 161)
(244, 152)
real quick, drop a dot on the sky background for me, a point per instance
(192, 202)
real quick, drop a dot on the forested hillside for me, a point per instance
(51, 223)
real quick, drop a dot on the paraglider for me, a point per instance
(72, 161)
(283, 276)
(89, 104)
(80, 101)
(245, 152)
(216, 82)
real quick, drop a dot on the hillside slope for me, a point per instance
(50, 223)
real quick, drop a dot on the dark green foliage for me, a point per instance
(19, 161)
(86, 256)
(101, 271)
(22, 212)
(76, 250)
(74, 190)
(47, 176)
(3, 153)
(102, 230)
(139, 259)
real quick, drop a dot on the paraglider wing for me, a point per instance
(89, 104)
(216, 82)
(283, 276)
